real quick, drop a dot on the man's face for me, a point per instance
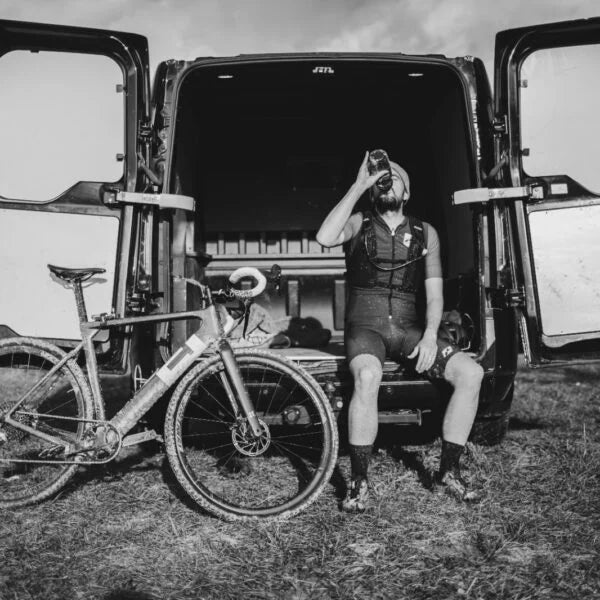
(393, 199)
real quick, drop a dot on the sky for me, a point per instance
(69, 102)
(186, 29)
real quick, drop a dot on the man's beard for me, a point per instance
(387, 201)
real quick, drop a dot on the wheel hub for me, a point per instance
(245, 441)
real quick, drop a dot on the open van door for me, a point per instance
(547, 149)
(85, 219)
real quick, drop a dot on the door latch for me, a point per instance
(482, 195)
(114, 196)
(506, 297)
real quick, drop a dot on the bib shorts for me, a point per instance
(386, 325)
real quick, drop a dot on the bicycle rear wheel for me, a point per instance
(223, 467)
(24, 362)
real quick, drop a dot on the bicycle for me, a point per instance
(248, 434)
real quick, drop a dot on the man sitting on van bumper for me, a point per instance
(388, 256)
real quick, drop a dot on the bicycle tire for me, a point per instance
(23, 362)
(279, 482)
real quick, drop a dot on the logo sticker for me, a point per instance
(407, 238)
(446, 351)
(323, 70)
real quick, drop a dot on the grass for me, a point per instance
(124, 532)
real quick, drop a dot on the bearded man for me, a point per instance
(389, 255)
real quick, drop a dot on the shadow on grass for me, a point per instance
(125, 594)
(395, 440)
(339, 484)
(517, 424)
(303, 472)
(116, 469)
(413, 460)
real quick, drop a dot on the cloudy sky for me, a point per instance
(189, 28)
(74, 107)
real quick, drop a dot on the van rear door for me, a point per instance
(74, 102)
(547, 95)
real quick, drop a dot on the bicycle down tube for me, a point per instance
(211, 330)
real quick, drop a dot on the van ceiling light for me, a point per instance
(225, 76)
(415, 74)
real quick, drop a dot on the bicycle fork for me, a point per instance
(236, 390)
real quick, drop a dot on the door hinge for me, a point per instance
(145, 130)
(506, 297)
(143, 302)
(500, 125)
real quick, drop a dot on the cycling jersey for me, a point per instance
(381, 316)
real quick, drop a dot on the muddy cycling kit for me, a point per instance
(385, 269)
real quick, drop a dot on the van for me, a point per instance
(235, 161)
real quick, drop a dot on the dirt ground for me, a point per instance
(126, 532)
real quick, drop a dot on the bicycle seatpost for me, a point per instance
(79, 300)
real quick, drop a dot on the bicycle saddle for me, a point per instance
(71, 275)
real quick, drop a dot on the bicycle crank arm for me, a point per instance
(141, 437)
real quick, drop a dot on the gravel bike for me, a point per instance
(248, 434)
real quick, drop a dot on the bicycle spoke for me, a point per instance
(50, 392)
(203, 408)
(230, 471)
(227, 410)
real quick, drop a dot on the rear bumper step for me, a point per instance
(402, 416)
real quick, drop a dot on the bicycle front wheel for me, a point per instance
(233, 474)
(53, 408)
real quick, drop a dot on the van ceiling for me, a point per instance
(284, 140)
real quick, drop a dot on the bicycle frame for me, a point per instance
(212, 331)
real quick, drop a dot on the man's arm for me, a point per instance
(340, 225)
(434, 293)
(435, 305)
(427, 347)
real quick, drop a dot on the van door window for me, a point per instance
(559, 97)
(63, 120)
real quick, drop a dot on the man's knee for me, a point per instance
(366, 370)
(463, 372)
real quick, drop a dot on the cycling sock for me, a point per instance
(451, 454)
(359, 460)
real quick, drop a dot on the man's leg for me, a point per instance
(465, 375)
(362, 426)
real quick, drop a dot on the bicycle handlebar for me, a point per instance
(248, 272)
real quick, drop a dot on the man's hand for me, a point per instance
(363, 180)
(427, 350)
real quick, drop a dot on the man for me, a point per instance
(388, 256)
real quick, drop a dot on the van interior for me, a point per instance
(267, 149)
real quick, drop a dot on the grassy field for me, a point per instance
(126, 533)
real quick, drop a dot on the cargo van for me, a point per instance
(235, 161)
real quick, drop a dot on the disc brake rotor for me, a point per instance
(245, 441)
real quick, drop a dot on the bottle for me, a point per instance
(378, 162)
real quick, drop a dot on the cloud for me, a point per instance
(189, 28)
